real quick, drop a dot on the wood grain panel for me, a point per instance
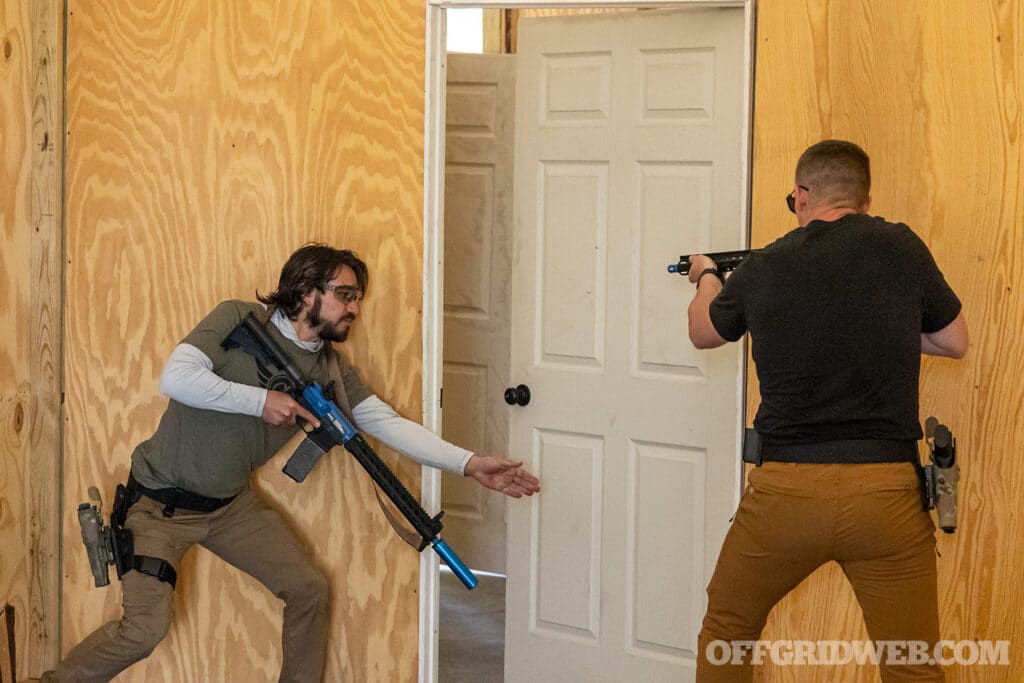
(206, 141)
(933, 92)
(30, 171)
(46, 331)
(15, 315)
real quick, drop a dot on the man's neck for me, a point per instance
(311, 340)
(303, 331)
(828, 215)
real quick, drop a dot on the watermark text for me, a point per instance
(887, 652)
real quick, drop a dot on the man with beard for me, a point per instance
(189, 482)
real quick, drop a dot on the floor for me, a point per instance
(471, 630)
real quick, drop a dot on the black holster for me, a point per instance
(122, 543)
(125, 557)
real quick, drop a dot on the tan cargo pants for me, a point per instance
(792, 519)
(245, 533)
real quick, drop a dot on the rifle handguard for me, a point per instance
(724, 261)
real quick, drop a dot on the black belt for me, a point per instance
(847, 451)
(174, 498)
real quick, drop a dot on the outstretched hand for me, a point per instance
(502, 474)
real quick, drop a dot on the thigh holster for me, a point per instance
(125, 558)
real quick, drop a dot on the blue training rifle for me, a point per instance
(336, 430)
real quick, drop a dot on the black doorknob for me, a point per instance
(517, 395)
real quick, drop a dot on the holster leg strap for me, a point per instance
(154, 566)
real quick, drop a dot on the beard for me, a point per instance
(327, 330)
(331, 333)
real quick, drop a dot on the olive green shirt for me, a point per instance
(214, 453)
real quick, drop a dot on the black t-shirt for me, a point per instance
(835, 313)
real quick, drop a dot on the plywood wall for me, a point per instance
(30, 326)
(205, 142)
(15, 390)
(934, 93)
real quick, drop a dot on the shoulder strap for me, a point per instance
(263, 315)
(334, 370)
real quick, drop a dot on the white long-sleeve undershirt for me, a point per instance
(379, 420)
(188, 378)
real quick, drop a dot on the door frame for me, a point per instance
(433, 244)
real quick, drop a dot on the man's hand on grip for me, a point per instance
(281, 409)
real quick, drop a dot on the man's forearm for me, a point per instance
(188, 378)
(380, 421)
(703, 334)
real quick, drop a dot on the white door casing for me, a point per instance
(630, 150)
(478, 261)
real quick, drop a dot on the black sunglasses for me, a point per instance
(791, 200)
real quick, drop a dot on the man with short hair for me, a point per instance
(189, 482)
(839, 312)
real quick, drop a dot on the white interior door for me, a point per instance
(629, 152)
(477, 307)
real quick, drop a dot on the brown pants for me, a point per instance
(793, 519)
(245, 533)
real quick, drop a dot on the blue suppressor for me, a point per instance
(458, 567)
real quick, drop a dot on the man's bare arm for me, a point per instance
(951, 341)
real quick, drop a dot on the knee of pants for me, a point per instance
(145, 634)
(729, 618)
(720, 627)
(147, 603)
(308, 586)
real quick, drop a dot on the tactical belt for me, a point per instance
(174, 498)
(847, 451)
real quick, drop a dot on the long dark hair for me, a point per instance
(309, 268)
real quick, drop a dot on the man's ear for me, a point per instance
(867, 205)
(802, 205)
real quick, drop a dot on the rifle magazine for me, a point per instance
(303, 460)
